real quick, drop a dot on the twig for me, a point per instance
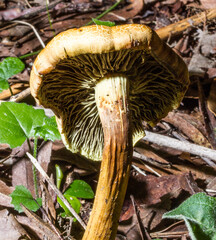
(165, 141)
(52, 185)
(148, 160)
(138, 170)
(49, 221)
(144, 234)
(35, 31)
(20, 96)
(178, 27)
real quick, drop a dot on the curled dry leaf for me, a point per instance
(190, 126)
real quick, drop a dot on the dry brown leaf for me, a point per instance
(5, 199)
(190, 126)
(208, 4)
(153, 196)
(22, 171)
(44, 155)
(38, 225)
(127, 12)
(10, 228)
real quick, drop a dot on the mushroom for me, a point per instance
(102, 83)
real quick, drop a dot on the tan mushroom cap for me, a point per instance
(86, 47)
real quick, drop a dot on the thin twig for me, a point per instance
(20, 96)
(49, 221)
(35, 31)
(178, 27)
(52, 185)
(165, 141)
(143, 232)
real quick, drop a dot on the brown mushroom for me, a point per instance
(102, 83)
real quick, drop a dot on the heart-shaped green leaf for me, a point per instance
(9, 67)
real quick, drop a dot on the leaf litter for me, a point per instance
(177, 175)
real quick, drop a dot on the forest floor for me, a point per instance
(162, 177)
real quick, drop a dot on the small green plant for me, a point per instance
(9, 67)
(77, 189)
(199, 214)
(21, 195)
(20, 121)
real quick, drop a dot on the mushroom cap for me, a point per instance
(66, 71)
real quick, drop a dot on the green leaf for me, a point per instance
(199, 214)
(49, 130)
(80, 189)
(20, 121)
(21, 195)
(9, 67)
(59, 176)
(105, 23)
(74, 202)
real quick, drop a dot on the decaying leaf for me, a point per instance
(10, 228)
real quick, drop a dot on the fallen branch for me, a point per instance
(165, 141)
(178, 27)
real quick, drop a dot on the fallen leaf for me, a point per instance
(208, 4)
(10, 228)
(190, 126)
(38, 225)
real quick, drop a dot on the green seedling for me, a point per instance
(77, 189)
(20, 122)
(9, 67)
(199, 214)
(21, 195)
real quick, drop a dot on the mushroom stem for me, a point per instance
(111, 95)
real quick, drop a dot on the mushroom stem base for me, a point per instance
(111, 96)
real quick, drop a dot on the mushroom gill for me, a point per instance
(69, 90)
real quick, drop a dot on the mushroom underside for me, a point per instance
(69, 90)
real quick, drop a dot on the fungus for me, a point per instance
(102, 83)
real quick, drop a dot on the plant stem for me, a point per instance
(29, 54)
(29, 145)
(105, 12)
(11, 90)
(111, 95)
(34, 169)
(49, 18)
